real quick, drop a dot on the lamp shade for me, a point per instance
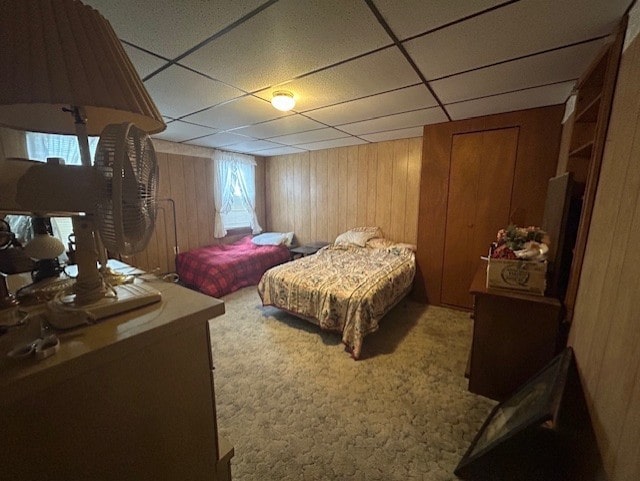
(57, 54)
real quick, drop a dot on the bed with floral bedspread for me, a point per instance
(342, 288)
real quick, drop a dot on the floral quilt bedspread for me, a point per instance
(346, 289)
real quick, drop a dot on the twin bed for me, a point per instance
(218, 270)
(347, 286)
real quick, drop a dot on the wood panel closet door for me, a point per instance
(479, 202)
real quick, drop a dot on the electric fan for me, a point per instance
(126, 207)
(113, 204)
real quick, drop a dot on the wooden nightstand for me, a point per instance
(307, 249)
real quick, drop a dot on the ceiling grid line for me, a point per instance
(522, 57)
(460, 20)
(213, 37)
(362, 71)
(404, 52)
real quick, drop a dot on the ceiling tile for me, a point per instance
(170, 28)
(279, 151)
(310, 136)
(238, 113)
(178, 91)
(394, 134)
(329, 144)
(401, 100)
(252, 145)
(288, 39)
(372, 74)
(518, 29)
(219, 140)
(411, 17)
(143, 62)
(341, 66)
(290, 124)
(557, 66)
(178, 131)
(397, 121)
(523, 99)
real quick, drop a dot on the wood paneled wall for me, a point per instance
(605, 333)
(538, 143)
(322, 193)
(188, 181)
(317, 195)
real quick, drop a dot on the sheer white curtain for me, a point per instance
(246, 170)
(234, 175)
(222, 188)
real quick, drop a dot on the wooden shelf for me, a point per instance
(579, 167)
(583, 133)
(583, 151)
(586, 146)
(589, 113)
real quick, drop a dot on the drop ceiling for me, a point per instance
(361, 70)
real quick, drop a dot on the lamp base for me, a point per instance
(45, 269)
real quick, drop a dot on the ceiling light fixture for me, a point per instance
(283, 100)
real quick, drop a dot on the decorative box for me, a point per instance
(528, 277)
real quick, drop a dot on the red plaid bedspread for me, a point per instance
(220, 269)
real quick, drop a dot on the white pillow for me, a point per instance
(382, 243)
(351, 237)
(270, 239)
(376, 231)
(379, 243)
(288, 238)
(404, 245)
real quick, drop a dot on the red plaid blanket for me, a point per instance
(220, 269)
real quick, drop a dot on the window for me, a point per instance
(238, 215)
(42, 146)
(234, 192)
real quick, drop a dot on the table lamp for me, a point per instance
(44, 249)
(66, 72)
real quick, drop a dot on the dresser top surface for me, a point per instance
(84, 347)
(479, 287)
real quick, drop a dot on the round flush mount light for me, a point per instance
(283, 100)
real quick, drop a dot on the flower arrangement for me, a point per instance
(526, 243)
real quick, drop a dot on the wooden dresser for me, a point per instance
(129, 398)
(514, 336)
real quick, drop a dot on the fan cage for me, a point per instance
(126, 207)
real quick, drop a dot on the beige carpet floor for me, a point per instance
(297, 407)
